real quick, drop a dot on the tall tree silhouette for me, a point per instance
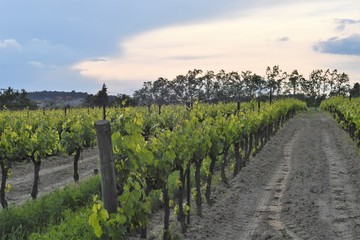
(101, 98)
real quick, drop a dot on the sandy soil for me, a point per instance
(304, 184)
(55, 172)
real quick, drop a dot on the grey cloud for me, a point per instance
(283, 39)
(98, 60)
(342, 46)
(35, 64)
(342, 23)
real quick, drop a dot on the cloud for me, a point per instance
(250, 41)
(98, 60)
(343, 46)
(283, 39)
(39, 41)
(9, 43)
(36, 64)
(230, 43)
(342, 23)
(166, 38)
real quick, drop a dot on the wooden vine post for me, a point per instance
(107, 166)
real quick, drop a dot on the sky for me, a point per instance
(78, 45)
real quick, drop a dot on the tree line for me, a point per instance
(211, 87)
(15, 100)
(101, 98)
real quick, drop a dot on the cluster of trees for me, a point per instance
(13, 100)
(103, 99)
(100, 99)
(233, 86)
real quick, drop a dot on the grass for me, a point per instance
(73, 226)
(36, 215)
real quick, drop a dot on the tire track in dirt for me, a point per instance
(340, 210)
(270, 206)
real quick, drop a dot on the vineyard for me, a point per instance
(347, 114)
(170, 160)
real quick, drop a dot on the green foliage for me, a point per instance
(73, 226)
(347, 114)
(15, 100)
(150, 151)
(173, 184)
(131, 214)
(98, 215)
(44, 142)
(33, 216)
(77, 133)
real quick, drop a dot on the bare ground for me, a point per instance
(55, 172)
(304, 184)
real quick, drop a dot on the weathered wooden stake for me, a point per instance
(107, 166)
(104, 112)
(188, 194)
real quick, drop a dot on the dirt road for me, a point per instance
(304, 184)
(55, 172)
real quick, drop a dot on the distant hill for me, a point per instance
(47, 95)
(57, 99)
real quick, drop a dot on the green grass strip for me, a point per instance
(34, 216)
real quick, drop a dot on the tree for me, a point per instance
(294, 82)
(207, 90)
(355, 91)
(246, 76)
(192, 86)
(144, 96)
(123, 100)
(219, 86)
(161, 91)
(23, 100)
(342, 84)
(303, 86)
(315, 82)
(101, 98)
(338, 83)
(15, 100)
(275, 77)
(178, 90)
(227, 92)
(257, 84)
(89, 101)
(331, 81)
(235, 86)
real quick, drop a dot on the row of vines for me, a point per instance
(148, 147)
(347, 113)
(33, 136)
